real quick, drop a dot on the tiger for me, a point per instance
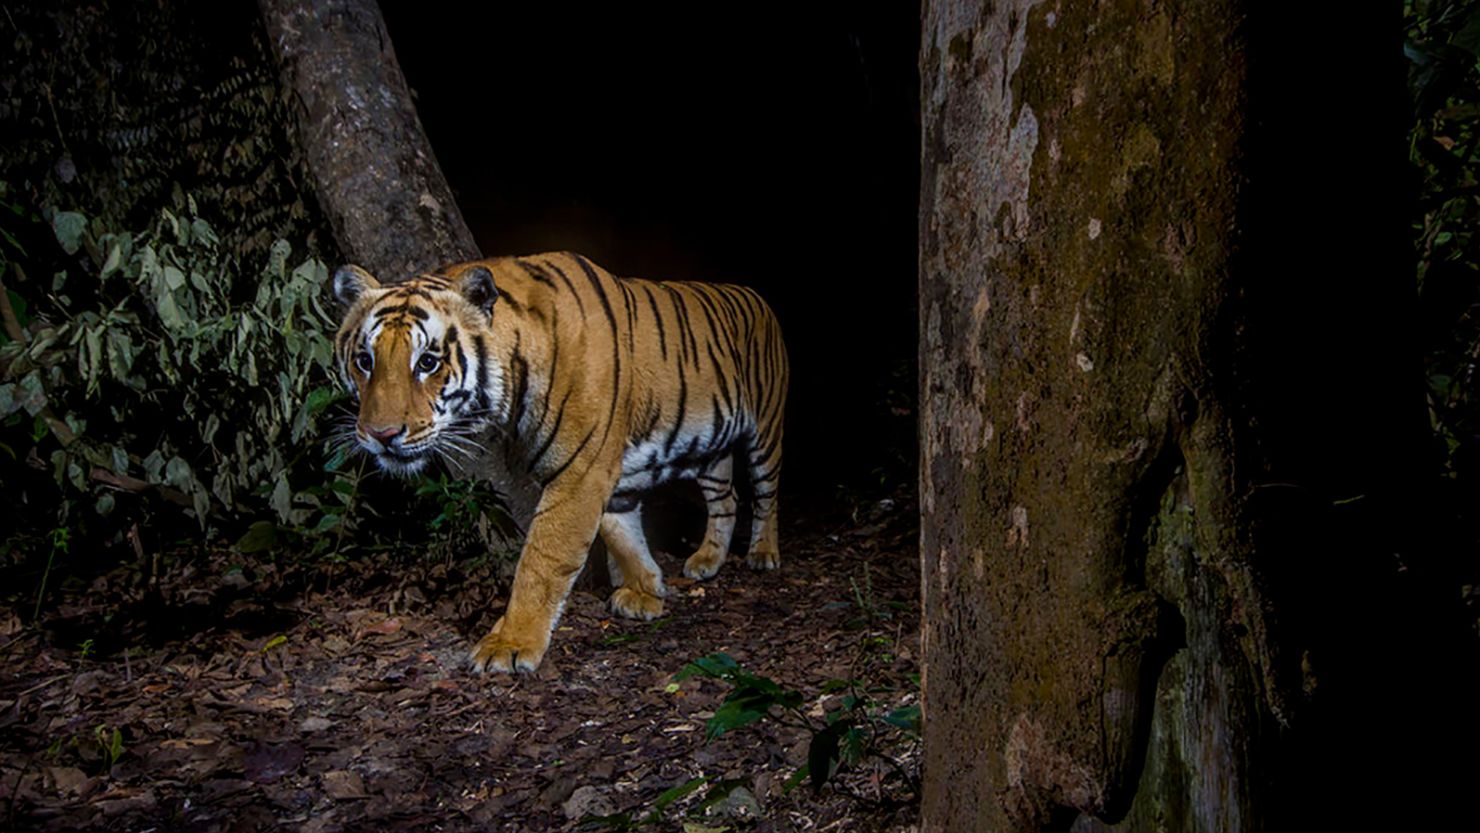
(603, 388)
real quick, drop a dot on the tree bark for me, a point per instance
(376, 176)
(1148, 399)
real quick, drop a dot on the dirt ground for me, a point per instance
(232, 697)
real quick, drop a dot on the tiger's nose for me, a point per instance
(384, 434)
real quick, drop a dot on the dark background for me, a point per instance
(775, 149)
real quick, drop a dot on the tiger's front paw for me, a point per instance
(507, 649)
(635, 604)
(703, 564)
(764, 560)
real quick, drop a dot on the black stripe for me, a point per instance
(415, 312)
(580, 305)
(611, 320)
(657, 316)
(768, 477)
(631, 308)
(520, 369)
(480, 346)
(719, 377)
(555, 429)
(568, 460)
(683, 398)
(683, 347)
(718, 425)
(537, 273)
(462, 360)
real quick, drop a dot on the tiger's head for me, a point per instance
(416, 357)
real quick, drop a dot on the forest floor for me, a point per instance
(231, 698)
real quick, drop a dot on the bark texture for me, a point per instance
(377, 178)
(1113, 622)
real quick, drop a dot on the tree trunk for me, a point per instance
(1152, 393)
(376, 176)
(374, 172)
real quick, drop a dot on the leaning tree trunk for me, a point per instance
(1164, 412)
(375, 175)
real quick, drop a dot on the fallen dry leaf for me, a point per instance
(344, 784)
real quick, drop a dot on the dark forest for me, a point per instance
(1130, 435)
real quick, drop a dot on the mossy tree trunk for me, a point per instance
(1169, 407)
(374, 171)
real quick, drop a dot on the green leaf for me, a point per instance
(169, 312)
(796, 778)
(112, 261)
(120, 354)
(906, 717)
(739, 709)
(177, 473)
(718, 664)
(154, 467)
(104, 506)
(173, 277)
(260, 537)
(282, 498)
(326, 523)
(673, 794)
(69, 227)
(120, 460)
(31, 395)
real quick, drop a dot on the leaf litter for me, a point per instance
(351, 707)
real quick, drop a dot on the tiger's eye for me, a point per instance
(364, 361)
(428, 363)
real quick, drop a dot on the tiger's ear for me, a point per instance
(350, 282)
(477, 286)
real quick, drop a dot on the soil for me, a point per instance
(218, 697)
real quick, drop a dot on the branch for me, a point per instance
(124, 483)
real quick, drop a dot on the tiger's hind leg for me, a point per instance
(717, 484)
(640, 592)
(765, 472)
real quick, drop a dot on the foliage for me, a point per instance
(1443, 48)
(174, 363)
(857, 730)
(160, 368)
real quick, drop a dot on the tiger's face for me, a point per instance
(415, 356)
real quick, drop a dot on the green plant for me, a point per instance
(110, 744)
(60, 542)
(858, 729)
(462, 506)
(626, 822)
(163, 368)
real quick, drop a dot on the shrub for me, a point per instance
(157, 364)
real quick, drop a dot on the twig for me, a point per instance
(24, 635)
(13, 327)
(37, 687)
(125, 483)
